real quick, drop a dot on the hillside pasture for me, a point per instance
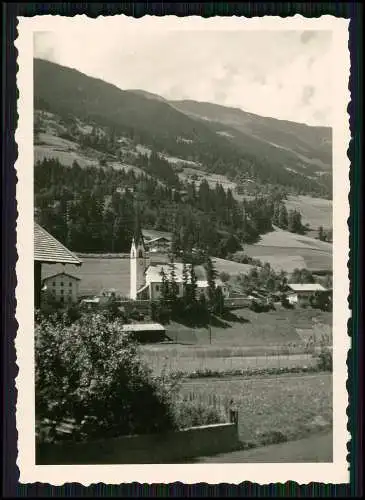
(65, 157)
(230, 267)
(286, 251)
(315, 211)
(246, 328)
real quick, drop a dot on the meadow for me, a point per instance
(315, 211)
(270, 409)
(287, 251)
(275, 339)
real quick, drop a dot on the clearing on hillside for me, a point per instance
(315, 211)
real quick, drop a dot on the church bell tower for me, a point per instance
(138, 264)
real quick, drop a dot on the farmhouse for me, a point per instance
(301, 293)
(146, 279)
(160, 244)
(48, 250)
(63, 286)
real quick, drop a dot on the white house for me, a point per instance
(146, 279)
(63, 286)
(302, 292)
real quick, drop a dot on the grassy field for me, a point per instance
(96, 274)
(275, 339)
(287, 251)
(246, 328)
(272, 409)
(191, 364)
(315, 211)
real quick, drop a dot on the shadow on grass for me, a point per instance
(230, 316)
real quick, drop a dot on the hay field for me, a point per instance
(269, 409)
(287, 251)
(315, 211)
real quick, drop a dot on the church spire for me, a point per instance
(137, 232)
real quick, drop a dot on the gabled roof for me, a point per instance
(306, 287)
(159, 238)
(48, 249)
(62, 274)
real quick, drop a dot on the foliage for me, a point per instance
(301, 276)
(92, 373)
(262, 278)
(86, 209)
(192, 413)
(325, 362)
(224, 276)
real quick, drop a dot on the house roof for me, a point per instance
(61, 274)
(153, 273)
(48, 249)
(143, 327)
(155, 240)
(306, 287)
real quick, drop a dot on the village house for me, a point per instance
(146, 279)
(301, 293)
(160, 244)
(63, 286)
(48, 250)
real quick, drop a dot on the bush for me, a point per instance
(191, 414)
(91, 373)
(325, 359)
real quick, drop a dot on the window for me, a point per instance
(61, 283)
(140, 254)
(62, 299)
(157, 288)
(53, 283)
(70, 283)
(61, 292)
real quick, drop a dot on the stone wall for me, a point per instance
(170, 447)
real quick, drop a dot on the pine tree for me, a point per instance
(283, 217)
(173, 286)
(193, 286)
(219, 301)
(211, 277)
(185, 279)
(164, 287)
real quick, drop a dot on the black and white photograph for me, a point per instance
(183, 202)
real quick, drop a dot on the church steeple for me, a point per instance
(137, 232)
(138, 259)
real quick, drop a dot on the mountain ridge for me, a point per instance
(240, 148)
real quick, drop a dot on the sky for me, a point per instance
(282, 74)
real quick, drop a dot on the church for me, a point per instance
(146, 279)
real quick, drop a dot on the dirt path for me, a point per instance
(316, 448)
